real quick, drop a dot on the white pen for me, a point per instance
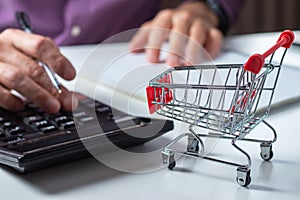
(24, 23)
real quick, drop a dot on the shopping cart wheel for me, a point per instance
(172, 165)
(169, 159)
(243, 177)
(266, 151)
(193, 145)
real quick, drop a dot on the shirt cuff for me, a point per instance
(223, 25)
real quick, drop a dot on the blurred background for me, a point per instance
(267, 15)
(262, 15)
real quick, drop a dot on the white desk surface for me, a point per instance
(191, 179)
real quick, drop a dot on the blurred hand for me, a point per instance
(20, 71)
(187, 28)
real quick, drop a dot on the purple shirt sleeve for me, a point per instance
(231, 8)
(71, 22)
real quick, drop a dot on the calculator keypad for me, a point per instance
(32, 123)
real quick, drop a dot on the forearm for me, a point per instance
(226, 11)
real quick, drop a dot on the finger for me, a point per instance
(178, 37)
(61, 65)
(10, 101)
(69, 100)
(155, 40)
(27, 65)
(139, 40)
(13, 78)
(214, 42)
(158, 33)
(41, 48)
(195, 51)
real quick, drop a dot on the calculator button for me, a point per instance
(15, 139)
(6, 124)
(68, 124)
(61, 119)
(39, 124)
(103, 109)
(15, 130)
(32, 118)
(79, 114)
(2, 119)
(86, 119)
(49, 128)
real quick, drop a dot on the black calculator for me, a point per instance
(31, 139)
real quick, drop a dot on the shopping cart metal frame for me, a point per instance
(228, 107)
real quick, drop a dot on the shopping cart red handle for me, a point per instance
(256, 61)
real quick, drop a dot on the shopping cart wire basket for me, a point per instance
(230, 100)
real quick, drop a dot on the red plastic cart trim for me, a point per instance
(154, 94)
(256, 61)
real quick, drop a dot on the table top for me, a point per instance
(190, 179)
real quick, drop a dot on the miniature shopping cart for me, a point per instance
(228, 100)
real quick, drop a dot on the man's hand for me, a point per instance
(19, 70)
(187, 28)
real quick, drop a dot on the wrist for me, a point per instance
(223, 22)
(218, 16)
(200, 8)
